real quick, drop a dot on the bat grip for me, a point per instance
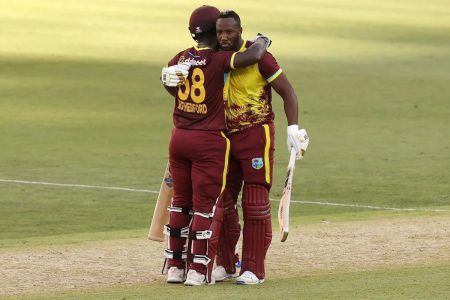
(292, 158)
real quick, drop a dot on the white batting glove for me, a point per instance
(298, 140)
(292, 141)
(265, 37)
(175, 75)
(303, 140)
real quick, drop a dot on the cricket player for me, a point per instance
(250, 122)
(199, 149)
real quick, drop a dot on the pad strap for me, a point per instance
(201, 235)
(175, 232)
(201, 259)
(205, 215)
(186, 211)
(175, 254)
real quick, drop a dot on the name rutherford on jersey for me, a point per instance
(193, 107)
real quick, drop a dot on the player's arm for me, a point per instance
(252, 54)
(297, 139)
(283, 87)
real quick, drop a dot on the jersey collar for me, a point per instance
(202, 48)
(242, 49)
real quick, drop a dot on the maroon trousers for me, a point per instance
(198, 164)
(251, 162)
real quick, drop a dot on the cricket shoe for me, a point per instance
(196, 278)
(175, 275)
(248, 278)
(220, 274)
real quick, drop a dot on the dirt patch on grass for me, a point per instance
(325, 246)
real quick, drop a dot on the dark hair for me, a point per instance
(230, 14)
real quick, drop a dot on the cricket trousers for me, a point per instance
(251, 163)
(198, 164)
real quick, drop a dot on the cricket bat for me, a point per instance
(285, 201)
(160, 214)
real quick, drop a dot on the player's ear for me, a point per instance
(240, 31)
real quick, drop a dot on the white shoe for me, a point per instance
(196, 278)
(248, 278)
(175, 275)
(220, 274)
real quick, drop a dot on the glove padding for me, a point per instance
(175, 75)
(265, 37)
(297, 139)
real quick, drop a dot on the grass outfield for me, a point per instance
(81, 103)
(422, 282)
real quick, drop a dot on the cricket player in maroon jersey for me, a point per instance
(251, 133)
(199, 150)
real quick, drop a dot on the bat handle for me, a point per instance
(292, 158)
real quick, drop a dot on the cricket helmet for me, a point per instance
(203, 20)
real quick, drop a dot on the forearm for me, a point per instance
(296, 139)
(283, 87)
(257, 49)
(291, 108)
(251, 56)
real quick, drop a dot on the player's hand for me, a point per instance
(175, 75)
(264, 37)
(298, 140)
(303, 140)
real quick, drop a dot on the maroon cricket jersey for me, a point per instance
(199, 102)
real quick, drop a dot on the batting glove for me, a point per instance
(175, 75)
(303, 140)
(265, 37)
(298, 140)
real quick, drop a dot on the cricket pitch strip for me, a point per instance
(338, 246)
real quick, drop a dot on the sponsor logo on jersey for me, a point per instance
(257, 163)
(195, 62)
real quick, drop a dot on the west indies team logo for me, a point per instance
(257, 163)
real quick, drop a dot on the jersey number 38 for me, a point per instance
(195, 89)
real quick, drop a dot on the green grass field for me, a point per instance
(408, 283)
(81, 103)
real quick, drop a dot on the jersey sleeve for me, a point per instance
(174, 60)
(227, 58)
(269, 68)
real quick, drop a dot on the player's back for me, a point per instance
(199, 101)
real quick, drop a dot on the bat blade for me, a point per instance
(285, 201)
(160, 214)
